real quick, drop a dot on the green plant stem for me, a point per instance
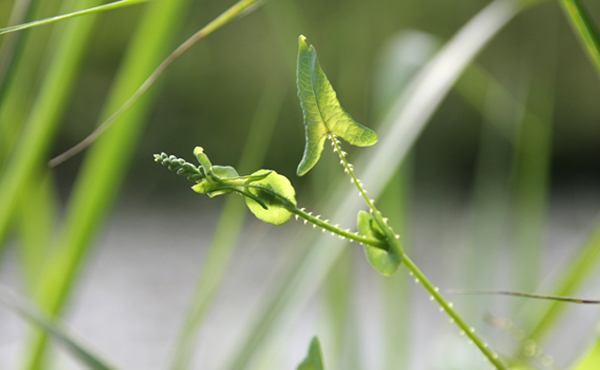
(456, 318)
(349, 169)
(414, 270)
(336, 230)
(583, 26)
(419, 277)
(114, 5)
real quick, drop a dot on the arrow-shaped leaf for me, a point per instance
(312, 361)
(323, 114)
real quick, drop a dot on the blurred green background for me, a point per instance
(208, 97)
(499, 190)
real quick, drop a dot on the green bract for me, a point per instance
(386, 262)
(323, 114)
(313, 360)
(277, 194)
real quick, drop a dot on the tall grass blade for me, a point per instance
(398, 134)
(242, 7)
(37, 221)
(57, 331)
(585, 29)
(43, 120)
(591, 360)
(104, 169)
(229, 228)
(9, 44)
(41, 22)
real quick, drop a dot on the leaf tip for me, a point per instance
(198, 150)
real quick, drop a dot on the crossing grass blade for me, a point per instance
(61, 334)
(96, 9)
(585, 29)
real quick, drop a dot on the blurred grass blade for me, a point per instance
(229, 227)
(100, 8)
(584, 28)
(591, 360)
(575, 274)
(491, 192)
(241, 7)
(56, 330)
(9, 44)
(104, 169)
(44, 116)
(38, 215)
(411, 113)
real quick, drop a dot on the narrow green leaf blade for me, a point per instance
(584, 28)
(100, 8)
(314, 359)
(276, 212)
(57, 331)
(386, 262)
(323, 114)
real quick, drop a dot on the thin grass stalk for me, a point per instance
(582, 25)
(228, 229)
(105, 167)
(410, 115)
(239, 8)
(90, 10)
(574, 276)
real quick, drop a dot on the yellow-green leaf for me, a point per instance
(386, 262)
(323, 114)
(277, 194)
(314, 359)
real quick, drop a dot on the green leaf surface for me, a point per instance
(314, 359)
(265, 189)
(386, 262)
(323, 114)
